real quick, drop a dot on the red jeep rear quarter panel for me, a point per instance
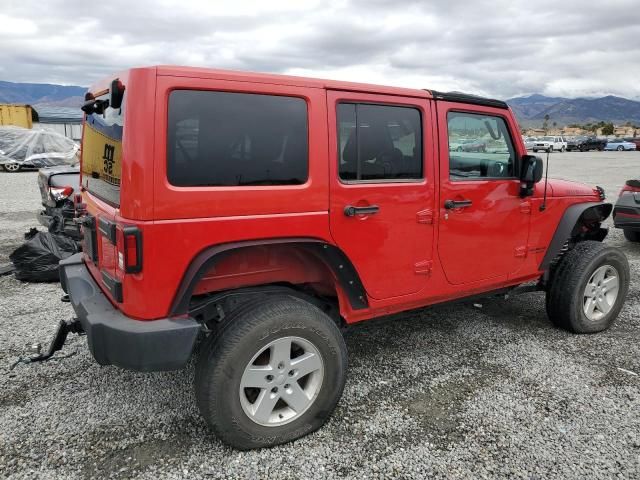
(189, 219)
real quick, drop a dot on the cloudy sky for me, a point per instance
(500, 48)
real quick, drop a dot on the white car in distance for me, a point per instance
(549, 144)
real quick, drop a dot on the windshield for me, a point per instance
(102, 152)
(547, 139)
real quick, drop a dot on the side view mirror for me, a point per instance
(530, 174)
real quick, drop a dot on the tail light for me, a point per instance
(60, 193)
(129, 248)
(79, 206)
(631, 186)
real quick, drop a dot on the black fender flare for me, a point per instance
(335, 258)
(566, 225)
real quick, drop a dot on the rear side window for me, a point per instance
(231, 139)
(480, 147)
(379, 142)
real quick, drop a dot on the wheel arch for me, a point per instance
(334, 259)
(571, 225)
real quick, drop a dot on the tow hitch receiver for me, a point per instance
(64, 328)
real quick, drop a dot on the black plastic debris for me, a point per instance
(37, 259)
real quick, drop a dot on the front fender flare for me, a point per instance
(566, 225)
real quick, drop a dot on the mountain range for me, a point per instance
(42, 94)
(530, 110)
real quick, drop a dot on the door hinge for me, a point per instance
(525, 207)
(425, 216)
(521, 252)
(424, 267)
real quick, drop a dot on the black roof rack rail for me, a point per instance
(467, 98)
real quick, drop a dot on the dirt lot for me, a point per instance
(460, 391)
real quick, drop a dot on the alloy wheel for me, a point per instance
(281, 381)
(601, 292)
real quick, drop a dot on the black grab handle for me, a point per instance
(451, 204)
(351, 211)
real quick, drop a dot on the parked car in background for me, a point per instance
(620, 145)
(636, 141)
(549, 144)
(28, 149)
(529, 142)
(584, 144)
(626, 214)
(468, 146)
(57, 187)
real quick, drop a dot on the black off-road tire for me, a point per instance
(631, 235)
(224, 356)
(565, 294)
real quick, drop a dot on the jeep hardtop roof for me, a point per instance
(177, 71)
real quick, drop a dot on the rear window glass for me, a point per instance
(102, 152)
(231, 139)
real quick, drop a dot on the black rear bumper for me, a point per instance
(115, 339)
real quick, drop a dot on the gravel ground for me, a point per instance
(459, 391)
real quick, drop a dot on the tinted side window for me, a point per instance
(479, 147)
(227, 139)
(379, 142)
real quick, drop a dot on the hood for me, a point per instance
(566, 188)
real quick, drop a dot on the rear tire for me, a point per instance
(631, 235)
(620, 148)
(247, 409)
(588, 288)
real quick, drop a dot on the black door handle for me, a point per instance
(351, 211)
(451, 204)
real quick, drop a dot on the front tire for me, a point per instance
(588, 288)
(620, 148)
(274, 374)
(631, 235)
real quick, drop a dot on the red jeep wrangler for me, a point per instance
(250, 216)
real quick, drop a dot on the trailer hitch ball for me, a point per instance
(64, 328)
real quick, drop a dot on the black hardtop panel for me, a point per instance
(468, 98)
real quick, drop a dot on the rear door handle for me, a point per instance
(351, 211)
(451, 204)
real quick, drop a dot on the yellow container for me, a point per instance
(18, 115)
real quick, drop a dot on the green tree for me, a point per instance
(607, 129)
(545, 123)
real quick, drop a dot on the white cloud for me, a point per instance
(500, 48)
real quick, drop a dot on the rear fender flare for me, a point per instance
(565, 229)
(335, 259)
